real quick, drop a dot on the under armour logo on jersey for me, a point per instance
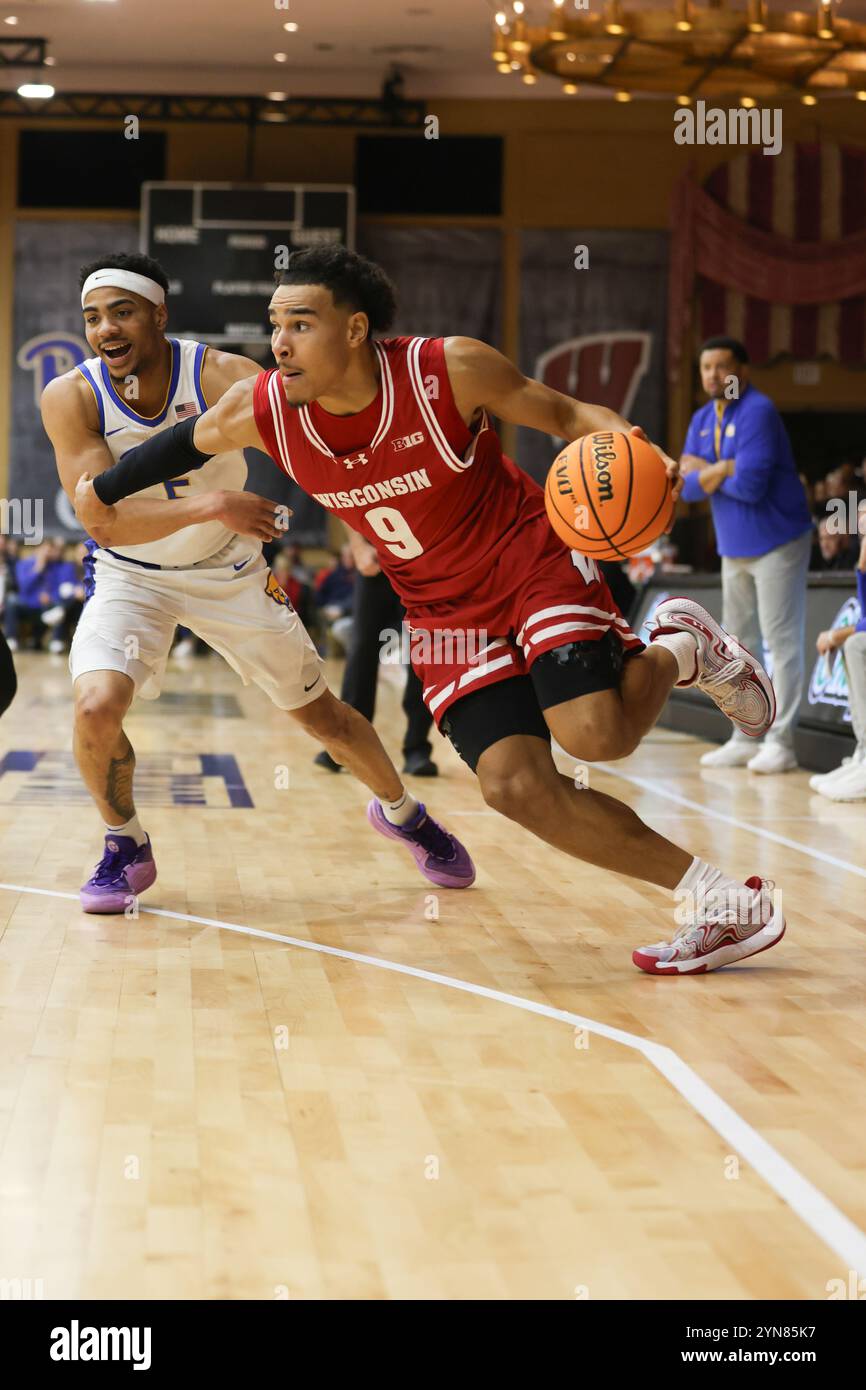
(408, 441)
(352, 462)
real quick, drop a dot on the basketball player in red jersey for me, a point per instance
(394, 437)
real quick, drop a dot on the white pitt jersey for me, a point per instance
(123, 428)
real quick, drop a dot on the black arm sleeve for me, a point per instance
(168, 454)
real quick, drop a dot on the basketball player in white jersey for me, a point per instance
(185, 551)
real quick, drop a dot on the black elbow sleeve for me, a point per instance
(168, 454)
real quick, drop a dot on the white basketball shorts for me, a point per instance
(231, 600)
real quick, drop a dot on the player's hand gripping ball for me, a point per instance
(609, 495)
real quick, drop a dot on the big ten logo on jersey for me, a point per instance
(273, 590)
(408, 441)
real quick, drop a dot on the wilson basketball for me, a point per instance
(608, 496)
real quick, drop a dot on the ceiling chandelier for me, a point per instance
(686, 50)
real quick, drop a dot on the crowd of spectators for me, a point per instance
(833, 500)
(41, 592)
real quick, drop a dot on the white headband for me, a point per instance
(124, 280)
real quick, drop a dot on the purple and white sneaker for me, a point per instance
(124, 871)
(439, 855)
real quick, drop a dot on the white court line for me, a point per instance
(708, 813)
(815, 1210)
(657, 815)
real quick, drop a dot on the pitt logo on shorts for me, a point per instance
(273, 590)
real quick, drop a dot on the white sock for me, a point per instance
(132, 827)
(400, 811)
(704, 883)
(684, 649)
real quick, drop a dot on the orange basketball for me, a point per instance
(608, 496)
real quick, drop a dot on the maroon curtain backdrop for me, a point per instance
(714, 250)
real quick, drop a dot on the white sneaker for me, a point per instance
(773, 757)
(52, 616)
(735, 753)
(56, 646)
(185, 647)
(850, 786)
(12, 643)
(817, 780)
(733, 678)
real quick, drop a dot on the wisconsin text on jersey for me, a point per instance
(374, 492)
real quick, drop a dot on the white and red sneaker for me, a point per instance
(724, 669)
(725, 926)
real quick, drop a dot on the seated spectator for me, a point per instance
(837, 550)
(333, 591)
(840, 481)
(35, 577)
(67, 589)
(3, 570)
(8, 558)
(301, 571)
(848, 781)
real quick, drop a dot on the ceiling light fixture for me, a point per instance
(710, 49)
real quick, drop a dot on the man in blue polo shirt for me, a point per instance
(738, 454)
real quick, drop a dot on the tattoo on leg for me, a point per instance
(118, 785)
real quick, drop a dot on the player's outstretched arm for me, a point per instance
(482, 377)
(71, 423)
(229, 424)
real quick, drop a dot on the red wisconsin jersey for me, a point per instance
(439, 502)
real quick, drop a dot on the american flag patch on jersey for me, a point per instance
(184, 411)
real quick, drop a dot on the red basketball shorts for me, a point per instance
(537, 596)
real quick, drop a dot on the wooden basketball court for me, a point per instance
(299, 1074)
